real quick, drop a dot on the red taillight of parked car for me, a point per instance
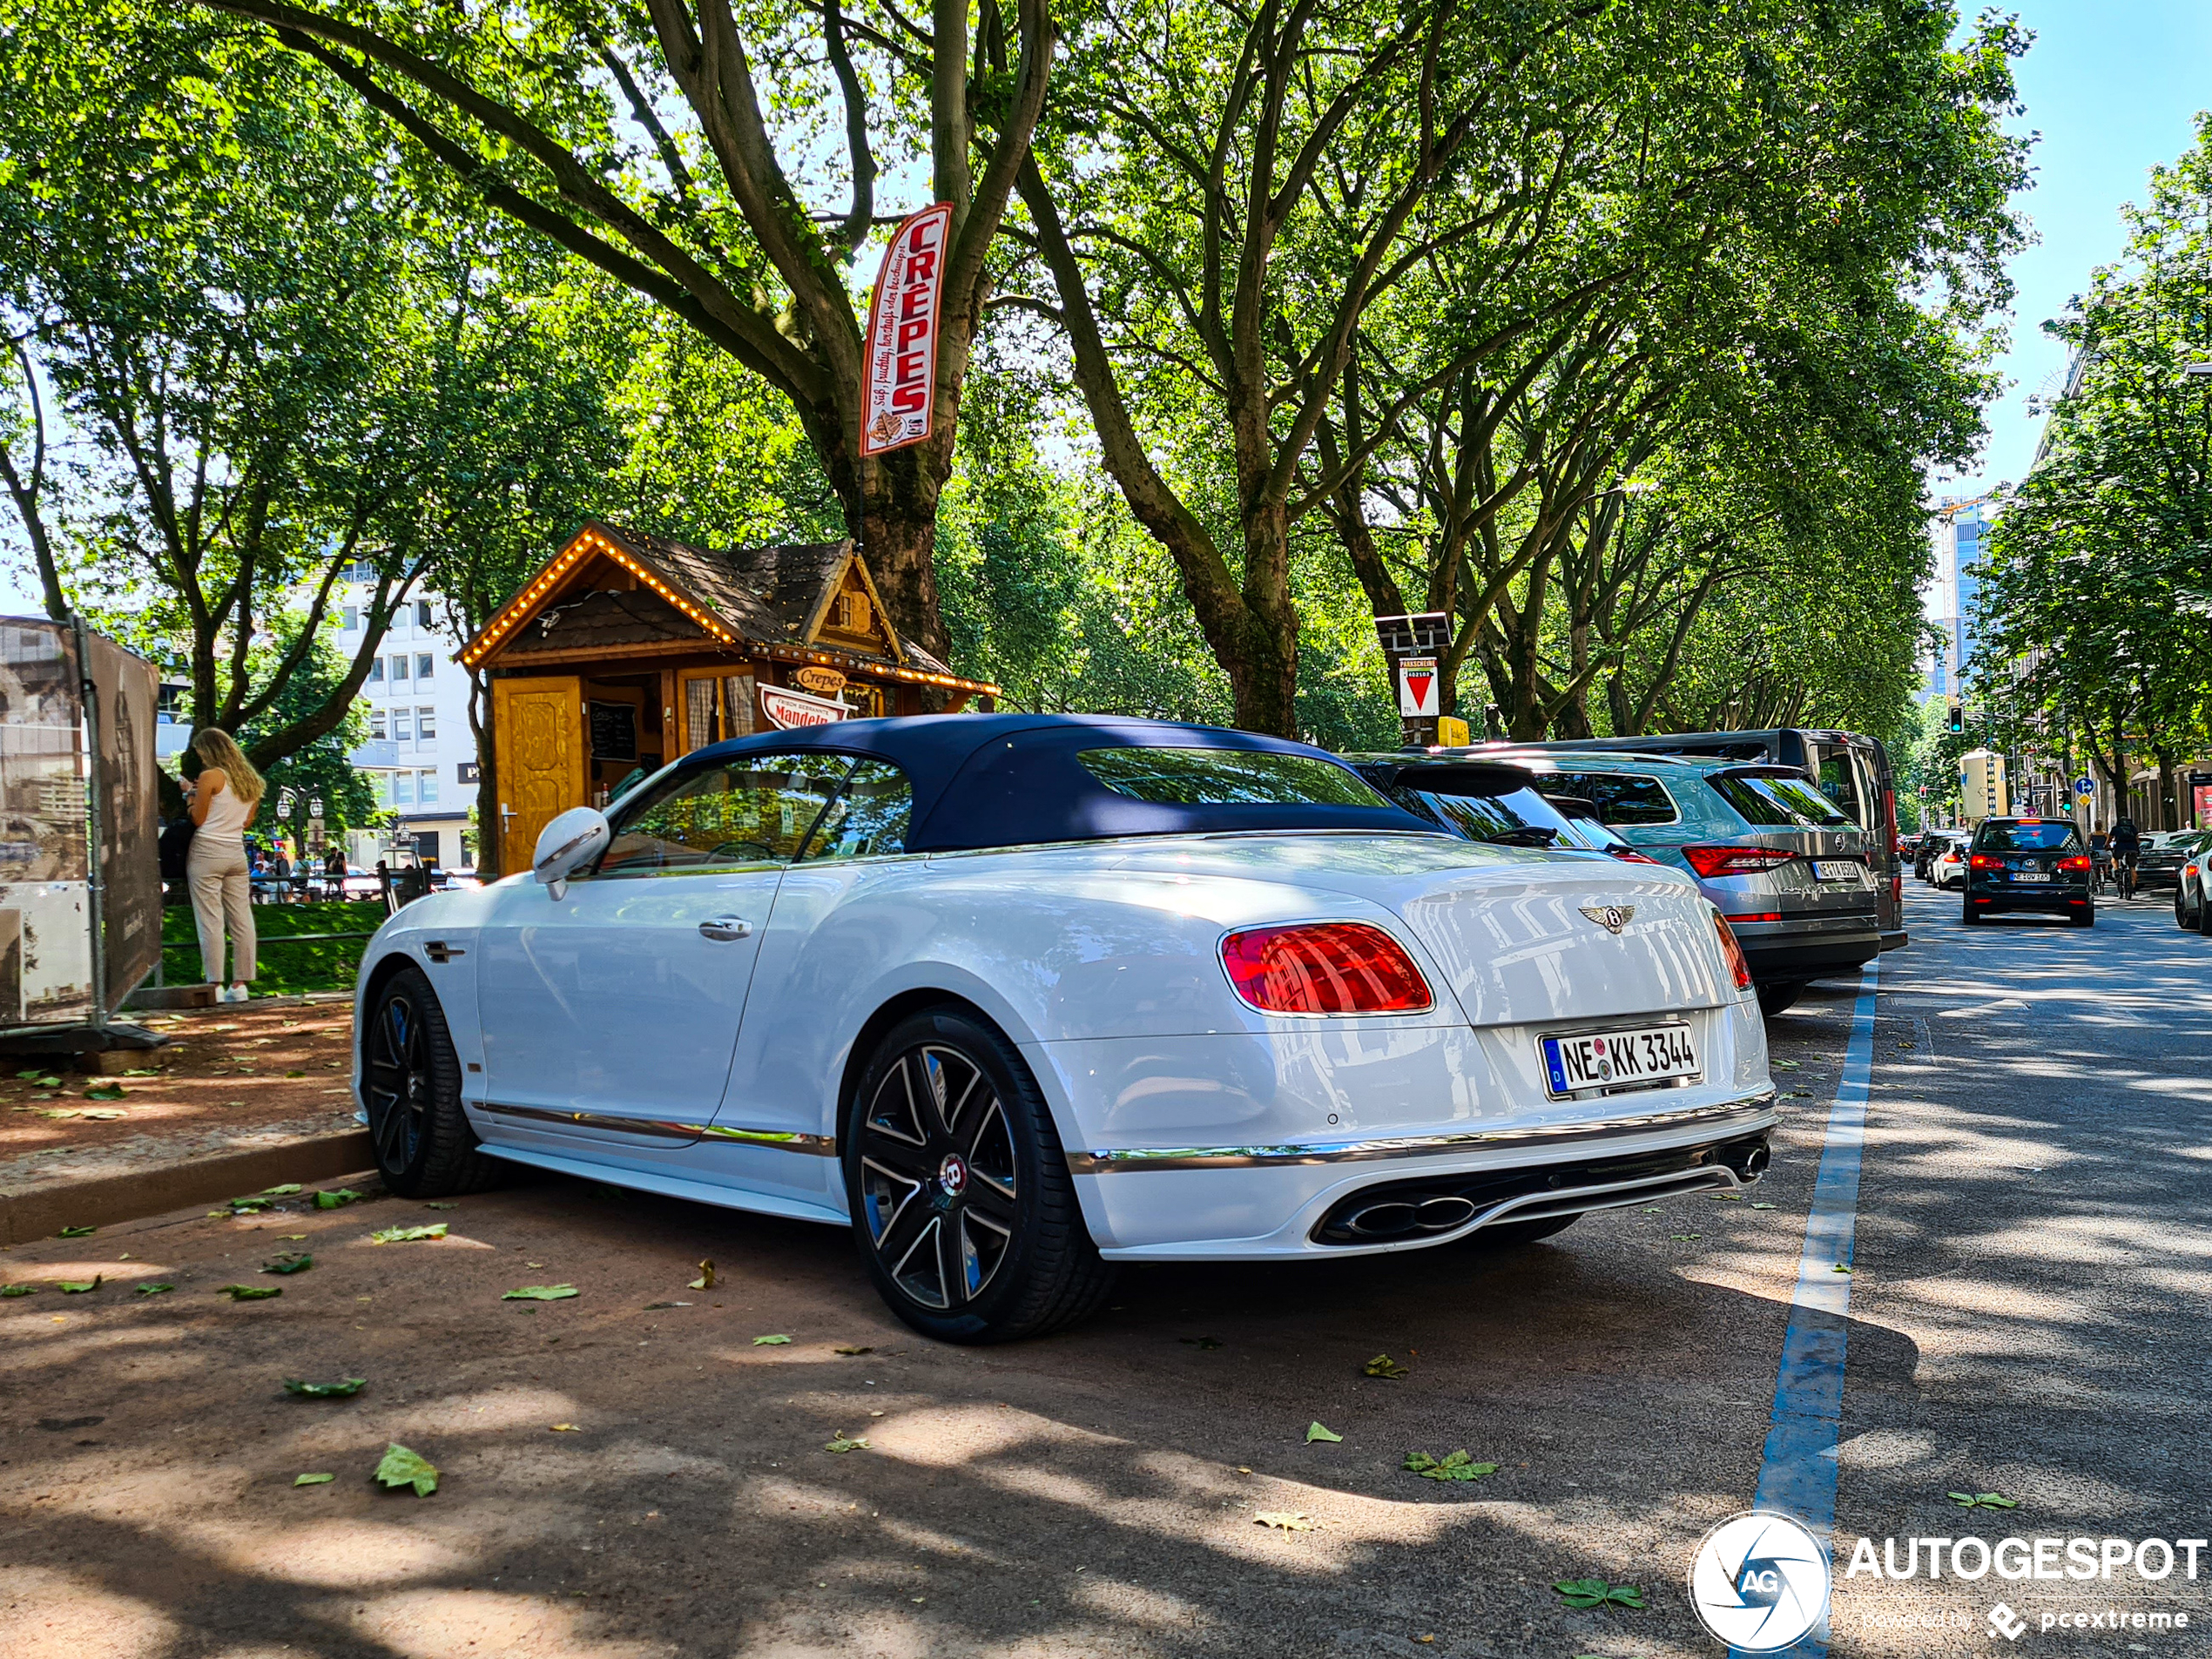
(1738, 964)
(1983, 861)
(1735, 860)
(2079, 861)
(1324, 968)
(1628, 857)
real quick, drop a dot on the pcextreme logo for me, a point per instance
(1759, 1581)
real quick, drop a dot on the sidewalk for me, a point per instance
(243, 1097)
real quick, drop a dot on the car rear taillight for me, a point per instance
(1738, 965)
(1627, 857)
(1735, 860)
(2077, 862)
(1324, 968)
(1983, 861)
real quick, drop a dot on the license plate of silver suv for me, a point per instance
(1633, 1054)
(1838, 870)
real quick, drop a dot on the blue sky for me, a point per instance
(2114, 87)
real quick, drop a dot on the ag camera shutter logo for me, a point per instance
(1759, 1582)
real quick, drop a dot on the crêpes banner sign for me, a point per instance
(902, 334)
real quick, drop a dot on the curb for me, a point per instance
(40, 1212)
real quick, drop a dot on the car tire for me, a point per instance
(2086, 917)
(1509, 1235)
(2181, 918)
(963, 1209)
(2204, 913)
(410, 1085)
(1776, 998)
(1968, 915)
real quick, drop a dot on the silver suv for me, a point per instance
(1797, 879)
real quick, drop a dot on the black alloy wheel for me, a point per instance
(2204, 911)
(1778, 997)
(963, 1207)
(411, 1085)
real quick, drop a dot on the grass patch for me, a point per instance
(285, 969)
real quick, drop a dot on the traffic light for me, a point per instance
(1957, 720)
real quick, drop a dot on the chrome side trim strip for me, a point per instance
(1744, 1113)
(660, 1129)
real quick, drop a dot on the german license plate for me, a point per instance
(2033, 875)
(1614, 1059)
(1835, 870)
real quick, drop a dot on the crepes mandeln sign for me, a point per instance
(787, 708)
(901, 391)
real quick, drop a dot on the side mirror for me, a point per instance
(566, 843)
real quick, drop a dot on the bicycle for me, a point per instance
(2124, 874)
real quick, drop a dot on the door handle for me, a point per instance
(726, 927)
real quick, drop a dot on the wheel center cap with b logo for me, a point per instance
(951, 1174)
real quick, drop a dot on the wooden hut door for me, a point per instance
(537, 728)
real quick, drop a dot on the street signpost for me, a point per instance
(1414, 646)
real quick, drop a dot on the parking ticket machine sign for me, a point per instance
(1417, 687)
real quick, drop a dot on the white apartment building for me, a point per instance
(421, 755)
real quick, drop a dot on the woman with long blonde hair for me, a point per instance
(224, 800)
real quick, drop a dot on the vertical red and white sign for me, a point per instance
(902, 334)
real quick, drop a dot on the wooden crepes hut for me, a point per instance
(628, 650)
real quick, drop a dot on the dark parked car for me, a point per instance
(2029, 864)
(1852, 769)
(1492, 801)
(2159, 864)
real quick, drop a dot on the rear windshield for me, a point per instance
(2046, 837)
(1779, 803)
(1227, 778)
(1520, 817)
(1618, 797)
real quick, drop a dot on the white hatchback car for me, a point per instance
(1020, 996)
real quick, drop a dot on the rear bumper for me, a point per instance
(1897, 941)
(1784, 960)
(2060, 898)
(1271, 1203)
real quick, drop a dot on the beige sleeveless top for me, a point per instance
(226, 816)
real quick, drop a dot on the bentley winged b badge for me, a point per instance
(1611, 917)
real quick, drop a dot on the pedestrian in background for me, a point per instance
(224, 800)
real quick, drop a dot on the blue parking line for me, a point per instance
(1798, 1474)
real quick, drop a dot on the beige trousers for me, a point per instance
(220, 894)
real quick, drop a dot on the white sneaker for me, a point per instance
(236, 993)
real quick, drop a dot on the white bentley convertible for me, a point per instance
(1020, 996)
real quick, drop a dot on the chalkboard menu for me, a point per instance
(614, 731)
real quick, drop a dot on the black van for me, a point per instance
(1852, 769)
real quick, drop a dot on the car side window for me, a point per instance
(869, 817)
(1620, 798)
(750, 811)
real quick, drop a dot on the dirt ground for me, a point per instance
(226, 1070)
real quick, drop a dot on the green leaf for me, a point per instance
(284, 1192)
(401, 1467)
(79, 1286)
(77, 1232)
(315, 1479)
(542, 1293)
(248, 1206)
(335, 1198)
(154, 1290)
(18, 1290)
(345, 1390)
(292, 1261)
(769, 1342)
(1839, 1268)
(407, 1234)
(1595, 1592)
(106, 1091)
(1315, 1432)
(1981, 1501)
(840, 1443)
(1456, 1466)
(1383, 1366)
(250, 1292)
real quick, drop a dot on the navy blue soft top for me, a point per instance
(985, 781)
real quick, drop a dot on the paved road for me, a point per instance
(2028, 1319)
